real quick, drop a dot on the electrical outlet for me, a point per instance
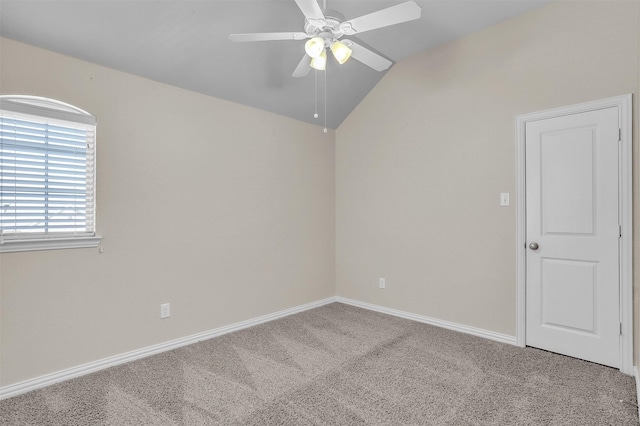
(165, 310)
(504, 199)
(382, 283)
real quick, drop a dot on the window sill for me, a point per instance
(49, 244)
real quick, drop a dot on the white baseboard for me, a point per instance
(91, 367)
(503, 338)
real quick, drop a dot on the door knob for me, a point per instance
(533, 246)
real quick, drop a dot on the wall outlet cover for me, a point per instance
(165, 310)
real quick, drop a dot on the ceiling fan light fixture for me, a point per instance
(314, 47)
(340, 51)
(320, 62)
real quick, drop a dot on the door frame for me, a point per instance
(625, 212)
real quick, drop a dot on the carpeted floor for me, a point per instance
(338, 365)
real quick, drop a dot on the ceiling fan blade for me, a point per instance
(311, 10)
(268, 36)
(393, 15)
(303, 68)
(368, 57)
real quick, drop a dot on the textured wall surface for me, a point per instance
(421, 162)
(228, 212)
(224, 211)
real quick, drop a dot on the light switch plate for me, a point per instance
(504, 199)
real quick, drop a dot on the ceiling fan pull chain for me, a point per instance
(325, 101)
(315, 114)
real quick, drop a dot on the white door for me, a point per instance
(572, 283)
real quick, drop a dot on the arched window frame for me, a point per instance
(47, 175)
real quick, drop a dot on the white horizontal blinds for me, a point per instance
(46, 177)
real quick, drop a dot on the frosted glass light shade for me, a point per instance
(320, 62)
(341, 52)
(314, 47)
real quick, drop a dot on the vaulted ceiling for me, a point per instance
(185, 44)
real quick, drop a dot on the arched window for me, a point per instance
(47, 175)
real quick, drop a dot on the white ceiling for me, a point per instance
(184, 43)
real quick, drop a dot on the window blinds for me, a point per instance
(47, 176)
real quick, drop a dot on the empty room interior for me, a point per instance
(439, 230)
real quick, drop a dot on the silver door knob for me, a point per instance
(533, 246)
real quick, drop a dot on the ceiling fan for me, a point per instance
(325, 29)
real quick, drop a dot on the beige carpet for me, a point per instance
(338, 365)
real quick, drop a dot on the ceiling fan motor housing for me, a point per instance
(330, 31)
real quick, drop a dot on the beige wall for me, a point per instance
(421, 162)
(224, 211)
(418, 169)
